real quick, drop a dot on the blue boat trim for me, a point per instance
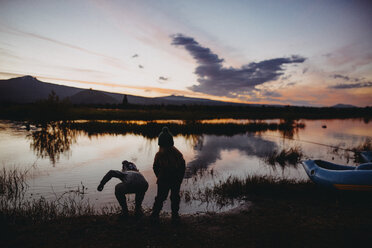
(338, 176)
(366, 156)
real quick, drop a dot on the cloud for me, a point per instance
(135, 55)
(346, 78)
(163, 78)
(140, 66)
(111, 60)
(327, 55)
(354, 55)
(352, 86)
(217, 80)
(270, 93)
(341, 76)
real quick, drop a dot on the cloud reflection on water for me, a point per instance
(56, 138)
(210, 150)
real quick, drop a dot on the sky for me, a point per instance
(289, 52)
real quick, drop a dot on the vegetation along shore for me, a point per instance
(276, 213)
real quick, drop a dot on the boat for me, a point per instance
(366, 156)
(342, 177)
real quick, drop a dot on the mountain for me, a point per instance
(92, 97)
(29, 89)
(183, 100)
(340, 105)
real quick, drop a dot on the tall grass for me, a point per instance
(224, 191)
(289, 156)
(352, 152)
(236, 187)
(12, 183)
(364, 146)
(151, 129)
(14, 207)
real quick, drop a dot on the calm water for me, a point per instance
(60, 159)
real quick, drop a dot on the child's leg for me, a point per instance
(120, 191)
(139, 199)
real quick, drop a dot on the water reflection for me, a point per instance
(214, 150)
(209, 151)
(56, 138)
(52, 140)
(289, 127)
(152, 129)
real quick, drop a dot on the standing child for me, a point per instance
(169, 168)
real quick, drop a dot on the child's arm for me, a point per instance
(108, 176)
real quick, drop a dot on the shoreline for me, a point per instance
(272, 221)
(59, 111)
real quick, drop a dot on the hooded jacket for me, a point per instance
(134, 181)
(169, 165)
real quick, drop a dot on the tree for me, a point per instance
(125, 100)
(52, 108)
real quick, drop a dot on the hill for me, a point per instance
(182, 100)
(29, 89)
(340, 105)
(92, 97)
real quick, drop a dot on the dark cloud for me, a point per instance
(341, 76)
(135, 55)
(359, 82)
(305, 70)
(346, 78)
(217, 80)
(270, 93)
(140, 66)
(352, 86)
(163, 78)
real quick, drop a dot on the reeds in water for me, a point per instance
(15, 207)
(226, 191)
(290, 156)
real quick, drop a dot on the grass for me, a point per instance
(287, 156)
(353, 153)
(14, 207)
(365, 146)
(254, 187)
(285, 213)
(12, 183)
(152, 129)
(225, 191)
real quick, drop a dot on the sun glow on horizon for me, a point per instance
(228, 51)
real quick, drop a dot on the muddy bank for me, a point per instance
(264, 222)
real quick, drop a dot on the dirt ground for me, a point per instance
(268, 222)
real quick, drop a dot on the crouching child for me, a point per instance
(132, 182)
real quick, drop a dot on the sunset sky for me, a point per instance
(294, 52)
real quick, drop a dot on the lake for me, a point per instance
(60, 158)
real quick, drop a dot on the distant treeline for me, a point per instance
(51, 139)
(152, 129)
(54, 109)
